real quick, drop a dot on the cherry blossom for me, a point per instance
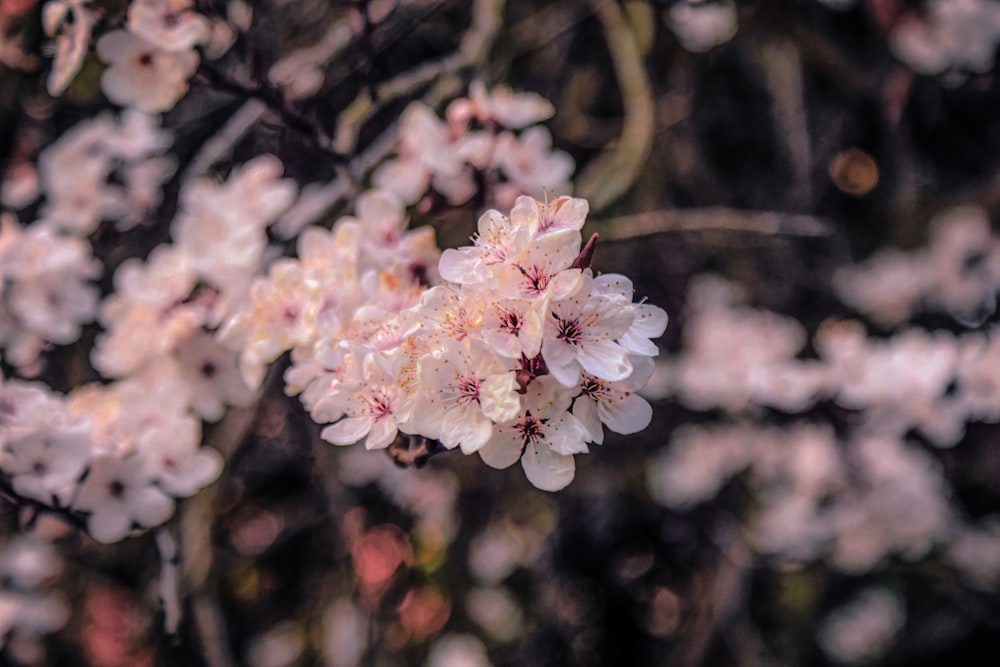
(142, 75)
(464, 391)
(544, 437)
(580, 333)
(118, 495)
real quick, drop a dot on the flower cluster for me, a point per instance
(110, 457)
(958, 273)
(47, 266)
(29, 609)
(948, 36)
(477, 140)
(151, 60)
(867, 493)
(520, 353)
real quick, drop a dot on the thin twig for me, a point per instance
(275, 101)
(14, 498)
(223, 141)
(714, 219)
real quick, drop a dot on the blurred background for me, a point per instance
(805, 186)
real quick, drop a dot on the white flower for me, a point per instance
(513, 327)
(212, 376)
(119, 495)
(614, 403)
(282, 314)
(650, 321)
(544, 437)
(539, 268)
(501, 105)
(46, 462)
(141, 75)
(471, 265)
(580, 333)
(550, 216)
(464, 389)
(182, 468)
(531, 164)
(171, 25)
(429, 154)
(375, 408)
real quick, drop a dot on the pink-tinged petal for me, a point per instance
(348, 430)
(503, 449)
(566, 435)
(642, 369)
(506, 345)
(570, 213)
(605, 360)
(406, 178)
(626, 414)
(615, 318)
(566, 283)
(650, 322)
(567, 375)
(530, 335)
(585, 410)
(546, 469)
(382, 433)
(555, 251)
(498, 397)
(379, 206)
(614, 284)
(526, 212)
(468, 428)
(459, 265)
(557, 352)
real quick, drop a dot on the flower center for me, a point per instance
(569, 331)
(532, 429)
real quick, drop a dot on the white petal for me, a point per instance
(560, 358)
(502, 450)
(382, 433)
(347, 431)
(605, 360)
(150, 506)
(468, 428)
(109, 525)
(566, 283)
(628, 414)
(566, 435)
(458, 266)
(546, 469)
(499, 398)
(585, 410)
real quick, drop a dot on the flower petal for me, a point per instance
(546, 469)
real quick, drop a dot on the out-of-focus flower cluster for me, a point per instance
(867, 487)
(948, 36)
(520, 354)
(151, 59)
(958, 273)
(47, 266)
(476, 143)
(29, 608)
